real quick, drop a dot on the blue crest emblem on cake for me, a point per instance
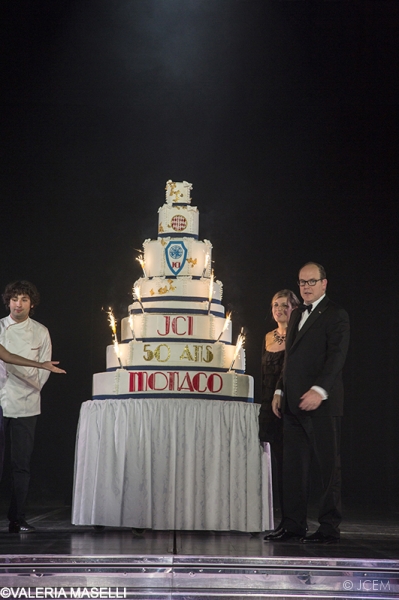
(176, 254)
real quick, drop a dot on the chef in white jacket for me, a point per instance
(20, 388)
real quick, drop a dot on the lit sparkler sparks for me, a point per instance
(239, 345)
(137, 293)
(112, 323)
(142, 263)
(210, 293)
(226, 324)
(205, 265)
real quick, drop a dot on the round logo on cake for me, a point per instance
(179, 223)
(176, 252)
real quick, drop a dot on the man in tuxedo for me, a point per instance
(309, 398)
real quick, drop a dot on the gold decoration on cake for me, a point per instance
(192, 261)
(172, 190)
(160, 228)
(163, 243)
(165, 289)
(152, 293)
(197, 353)
(157, 353)
(177, 190)
(209, 355)
(186, 354)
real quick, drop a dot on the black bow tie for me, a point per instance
(306, 307)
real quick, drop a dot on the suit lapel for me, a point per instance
(314, 315)
(293, 328)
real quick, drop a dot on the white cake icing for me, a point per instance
(177, 294)
(169, 256)
(193, 328)
(166, 287)
(176, 340)
(178, 221)
(176, 306)
(160, 354)
(177, 218)
(177, 192)
(172, 383)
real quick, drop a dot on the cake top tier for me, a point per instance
(177, 217)
(178, 192)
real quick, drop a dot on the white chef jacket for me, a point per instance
(20, 386)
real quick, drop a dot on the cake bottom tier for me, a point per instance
(172, 384)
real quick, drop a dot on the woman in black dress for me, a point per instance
(270, 427)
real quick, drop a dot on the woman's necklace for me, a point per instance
(279, 339)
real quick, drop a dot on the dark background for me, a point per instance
(283, 115)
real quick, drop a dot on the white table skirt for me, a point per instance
(171, 464)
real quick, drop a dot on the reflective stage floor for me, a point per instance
(64, 561)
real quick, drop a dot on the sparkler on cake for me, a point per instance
(131, 326)
(112, 323)
(177, 337)
(210, 293)
(137, 293)
(206, 264)
(239, 345)
(142, 263)
(225, 326)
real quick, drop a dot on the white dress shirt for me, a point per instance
(20, 386)
(306, 313)
(303, 319)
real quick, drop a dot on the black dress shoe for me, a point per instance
(274, 531)
(320, 538)
(20, 527)
(282, 535)
(138, 531)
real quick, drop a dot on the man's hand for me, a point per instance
(310, 400)
(276, 403)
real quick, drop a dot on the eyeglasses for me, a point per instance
(311, 282)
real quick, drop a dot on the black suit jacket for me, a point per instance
(315, 355)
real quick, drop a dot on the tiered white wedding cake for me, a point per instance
(176, 341)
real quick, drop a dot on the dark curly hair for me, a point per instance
(21, 287)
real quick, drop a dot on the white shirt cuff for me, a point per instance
(320, 391)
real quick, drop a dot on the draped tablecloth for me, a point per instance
(171, 464)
